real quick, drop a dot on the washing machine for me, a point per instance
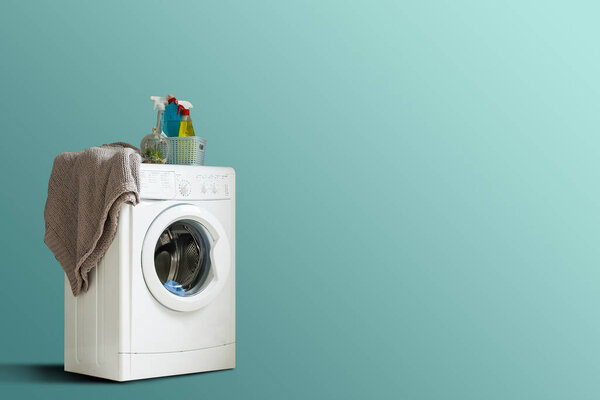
(162, 299)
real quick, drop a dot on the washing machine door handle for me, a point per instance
(220, 257)
(220, 252)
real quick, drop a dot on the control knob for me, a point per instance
(184, 188)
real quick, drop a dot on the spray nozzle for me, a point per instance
(186, 104)
(159, 102)
(182, 106)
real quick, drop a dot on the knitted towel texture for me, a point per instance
(85, 193)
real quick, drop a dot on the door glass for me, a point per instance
(182, 258)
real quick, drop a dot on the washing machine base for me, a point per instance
(132, 366)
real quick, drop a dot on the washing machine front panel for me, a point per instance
(185, 182)
(186, 258)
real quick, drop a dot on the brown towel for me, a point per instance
(85, 192)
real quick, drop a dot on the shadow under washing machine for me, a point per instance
(162, 299)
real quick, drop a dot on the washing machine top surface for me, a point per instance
(185, 182)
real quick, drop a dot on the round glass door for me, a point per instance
(186, 258)
(182, 257)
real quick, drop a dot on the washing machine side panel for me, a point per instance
(123, 289)
(92, 319)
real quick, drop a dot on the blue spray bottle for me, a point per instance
(171, 117)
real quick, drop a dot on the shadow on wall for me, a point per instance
(43, 373)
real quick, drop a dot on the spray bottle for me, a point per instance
(171, 117)
(154, 147)
(186, 128)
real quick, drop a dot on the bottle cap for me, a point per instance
(185, 111)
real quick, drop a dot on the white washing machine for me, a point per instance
(162, 299)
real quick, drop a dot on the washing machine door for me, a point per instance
(186, 258)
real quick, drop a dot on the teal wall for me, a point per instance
(418, 187)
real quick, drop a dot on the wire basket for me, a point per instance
(187, 150)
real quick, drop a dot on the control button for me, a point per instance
(184, 188)
(214, 189)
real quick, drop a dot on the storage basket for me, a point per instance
(187, 150)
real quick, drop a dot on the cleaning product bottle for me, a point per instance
(185, 127)
(154, 147)
(171, 117)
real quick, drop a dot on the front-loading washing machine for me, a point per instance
(162, 299)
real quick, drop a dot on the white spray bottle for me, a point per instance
(154, 146)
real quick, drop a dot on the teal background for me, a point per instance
(417, 211)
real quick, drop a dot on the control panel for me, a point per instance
(186, 182)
